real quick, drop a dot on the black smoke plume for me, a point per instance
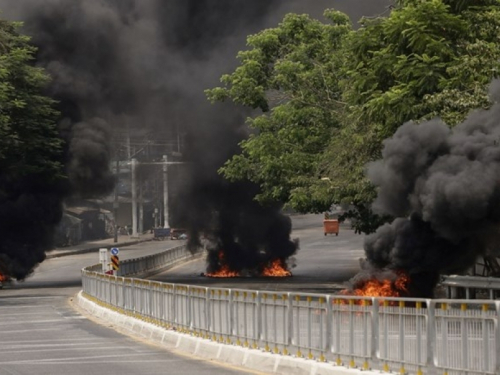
(443, 186)
(121, 66)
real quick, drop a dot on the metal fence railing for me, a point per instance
(406, 335)
(471, 286)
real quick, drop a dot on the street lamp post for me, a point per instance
(134, 199)
(165, 193)
(115, 203)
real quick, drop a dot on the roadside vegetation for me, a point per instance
(325, 95)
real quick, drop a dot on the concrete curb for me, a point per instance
(252, 359)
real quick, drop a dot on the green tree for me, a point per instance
(30, 146)
(331, 95)
(428, 58)
(290, 73)
(31, 154)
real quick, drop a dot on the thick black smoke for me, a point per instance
(248, 234)
(444, 186)
(121, 66)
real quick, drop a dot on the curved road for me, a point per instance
(42, 333)
(322, 264)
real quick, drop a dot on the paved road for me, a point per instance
(42, 334)
(323, 263)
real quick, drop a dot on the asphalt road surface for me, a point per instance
(322, 265)
(42, 334)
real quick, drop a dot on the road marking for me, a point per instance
(17, 306)
(33, 322)
(92, 339)
(24, 314)
(20, 298)
(92, 347)
(28, 330)
(68, 360)
(18, 346)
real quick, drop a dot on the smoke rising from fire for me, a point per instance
(144, 64)
(443, 185)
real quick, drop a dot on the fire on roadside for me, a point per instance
(273, 268)
(276, 268)
(224, 271)
(374, 287)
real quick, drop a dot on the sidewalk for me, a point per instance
(91, 246)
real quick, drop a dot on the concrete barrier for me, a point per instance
(252, 359)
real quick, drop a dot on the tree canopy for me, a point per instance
(31, 155)
(291, 73)
(30, 146)
(331, 94)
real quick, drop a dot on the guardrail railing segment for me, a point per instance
(470, 285)
(406, 335)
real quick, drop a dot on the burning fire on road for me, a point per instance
(276, 268)
(381, 287)
(4, 279)
(273, 268)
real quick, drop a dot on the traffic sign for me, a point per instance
(115, 262)
(114, 251)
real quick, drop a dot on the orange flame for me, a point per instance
(3, 277)
(224, 271)
(381, 288)
(276, 268)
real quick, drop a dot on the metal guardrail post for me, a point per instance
(486, 339)
(150, 294)
(401, 353)
(132, 296)
(231, 328)
(463, 324)
(258, 306)
(208, 308)
(289, 313)
(375, 341)
(431, 338)
(497, 338)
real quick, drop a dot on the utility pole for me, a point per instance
(141, 208)
(134, 199)
(115, 203)
(165, 192)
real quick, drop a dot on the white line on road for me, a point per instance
(93, 362)
(93, 347)
(11, 346)
(68, 360)
(92, 339)
(28, 330)
(32, 297)
(33, 322)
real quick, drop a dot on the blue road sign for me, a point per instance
(114, 251)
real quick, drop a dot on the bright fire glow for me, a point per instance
(381, 288)
(3, 277)
(276, 268)
(224, 271)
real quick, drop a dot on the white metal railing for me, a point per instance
(471, 284)
(408, 335)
